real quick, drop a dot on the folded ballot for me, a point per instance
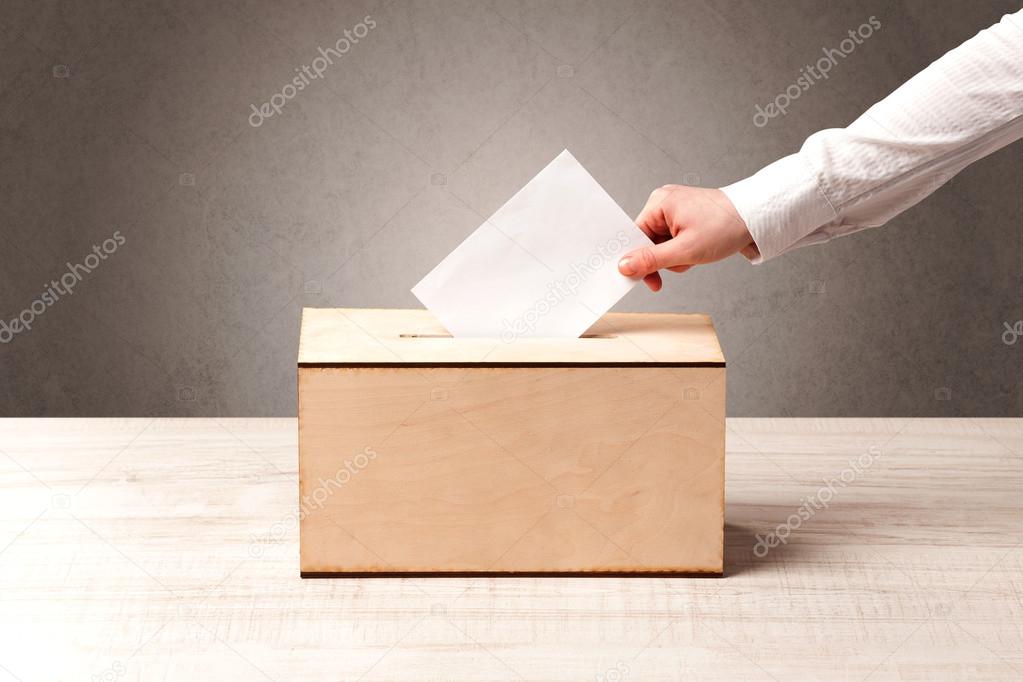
(545, 264)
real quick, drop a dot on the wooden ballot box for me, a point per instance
(422, 453)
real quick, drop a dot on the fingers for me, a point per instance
(654, 281)
(651, 218)
(667, 252)
(650, 259)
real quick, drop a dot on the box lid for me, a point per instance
(353, 337)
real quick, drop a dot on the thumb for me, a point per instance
(650, 259)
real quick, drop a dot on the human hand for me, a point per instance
(689, 226)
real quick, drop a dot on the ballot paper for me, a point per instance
(544, 265)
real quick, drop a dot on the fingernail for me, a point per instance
(626, 267)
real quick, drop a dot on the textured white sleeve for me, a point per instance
(964, 106)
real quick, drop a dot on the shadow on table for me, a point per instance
(746, 552)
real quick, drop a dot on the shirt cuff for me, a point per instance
(780, 204)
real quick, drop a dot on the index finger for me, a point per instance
(652, 216)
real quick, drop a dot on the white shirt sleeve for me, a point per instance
(964, 106)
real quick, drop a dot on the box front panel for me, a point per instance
(511, 469)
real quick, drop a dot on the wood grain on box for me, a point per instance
(421, 453)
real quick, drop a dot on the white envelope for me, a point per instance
(545, 264)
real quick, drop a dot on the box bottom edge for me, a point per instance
(512, 574)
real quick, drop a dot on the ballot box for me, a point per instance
(420, 453)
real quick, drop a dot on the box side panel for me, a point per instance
(511, 469)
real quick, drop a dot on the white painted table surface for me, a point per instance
(127, 552)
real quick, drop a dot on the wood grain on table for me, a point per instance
(168, 549)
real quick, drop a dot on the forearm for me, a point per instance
(962, 107)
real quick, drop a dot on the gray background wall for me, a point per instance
(133, 116)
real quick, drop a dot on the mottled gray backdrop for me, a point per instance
(134, 116)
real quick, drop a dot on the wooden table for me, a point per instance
(166, 549)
